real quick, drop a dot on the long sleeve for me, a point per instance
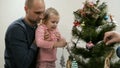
(20, 52)
(39, 37)
(45, 39)
(118, 52)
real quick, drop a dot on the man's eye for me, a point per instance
(37, 12)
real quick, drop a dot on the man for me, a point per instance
(112, 37)
(20, 46)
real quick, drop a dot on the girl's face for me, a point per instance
(52, 21)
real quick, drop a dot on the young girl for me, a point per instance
(48, 39)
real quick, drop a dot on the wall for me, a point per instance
(13, 9)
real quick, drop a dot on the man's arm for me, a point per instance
(22, 54)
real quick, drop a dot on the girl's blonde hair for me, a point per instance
(48, 12)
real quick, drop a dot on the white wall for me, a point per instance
(10, 10)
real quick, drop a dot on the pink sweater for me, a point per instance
(45, 40)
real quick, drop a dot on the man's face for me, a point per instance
(36, 12)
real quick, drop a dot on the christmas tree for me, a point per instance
(90, 24)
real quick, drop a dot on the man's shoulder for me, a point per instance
(17, 23)
(16, 27)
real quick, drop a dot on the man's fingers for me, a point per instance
(110, 41)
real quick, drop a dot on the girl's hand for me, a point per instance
(60, 43)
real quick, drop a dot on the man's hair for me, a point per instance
(29, 3)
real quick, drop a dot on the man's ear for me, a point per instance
(26, 9)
